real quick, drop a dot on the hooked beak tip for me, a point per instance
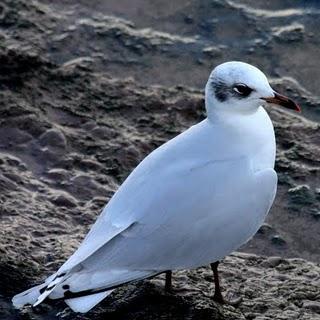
(283, 101)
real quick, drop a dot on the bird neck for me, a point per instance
(248, 133)
(257, 123)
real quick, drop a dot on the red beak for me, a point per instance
(284, 101)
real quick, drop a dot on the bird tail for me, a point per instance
(29, 296)
(92, 288)
(83, 301)
(86, 303)
(81, 304)
(37, 294)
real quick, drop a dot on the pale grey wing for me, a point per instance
(266, 183)
(196, 219)
(144, 204)
(176, 228)
(130, 201)
(202, 214)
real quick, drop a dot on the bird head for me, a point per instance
(238, 87)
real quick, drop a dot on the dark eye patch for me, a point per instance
(242, 90)
(220, 90)
(223, 92)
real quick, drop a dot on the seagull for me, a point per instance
(189, 203)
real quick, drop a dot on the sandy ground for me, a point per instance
(81, 105)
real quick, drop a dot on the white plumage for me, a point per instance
(189, 203)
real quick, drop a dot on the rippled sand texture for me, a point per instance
(72, 127)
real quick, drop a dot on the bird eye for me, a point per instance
(242, 89)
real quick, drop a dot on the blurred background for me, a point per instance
(179, 42)
(89, 88)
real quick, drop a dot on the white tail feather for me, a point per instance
(29, 296)
(86, 303)
(79, 281)
(51, 286)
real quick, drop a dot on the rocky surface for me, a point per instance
(260, 288)
(73, 125)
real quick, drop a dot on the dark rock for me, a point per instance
(294, 32)
(272, 262)
(53, 138)
(64, 200)
(278, 240)
(312, 305)
(316, 214)
(265, 229)
(212, 51)
(58, 174)
(301, 195)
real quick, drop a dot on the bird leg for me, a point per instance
(217, 290)
(168, 285)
